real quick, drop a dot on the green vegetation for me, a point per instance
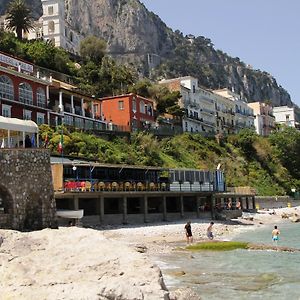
(19, 18)
(270, 165)
(218, 246)
(247, 159)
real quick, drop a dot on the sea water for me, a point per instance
(239, 274)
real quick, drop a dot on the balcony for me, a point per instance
(207, 111)
(207, 99)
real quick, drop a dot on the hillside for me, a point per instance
(132, 32)
(271, 165)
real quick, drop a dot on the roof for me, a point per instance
(18, 125)
(85, 163)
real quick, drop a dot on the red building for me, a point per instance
(23, 91)
(27, 94)
(131, 112)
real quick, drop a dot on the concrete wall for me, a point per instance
(275, 202)
(117, 219)
(26, 189)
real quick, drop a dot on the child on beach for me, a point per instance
(209, 231)
(188, 232)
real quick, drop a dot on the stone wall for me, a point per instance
(26, 189)
(275, 202)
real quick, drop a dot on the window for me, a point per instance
(6, 88)
(142, 107)
(27, 114)
(25, 93)
(121, 105)
(40, 118)
(50, 10)
(41, 97)
(134, 105)
(6, 110)
(51, 26)
(96, 109)
(150, 110)
(194, 89)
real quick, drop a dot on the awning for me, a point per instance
(18, 125)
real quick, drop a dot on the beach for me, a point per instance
(105, 262)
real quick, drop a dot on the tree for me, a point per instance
(19, 18)
(141, 88)
(93, 49)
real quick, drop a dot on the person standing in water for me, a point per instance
(188, 232)
(275, 234)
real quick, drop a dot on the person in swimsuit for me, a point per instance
(275, 234)
(209, 231)
(188, 232)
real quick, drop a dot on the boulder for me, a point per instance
(295, 218)
(184, 294)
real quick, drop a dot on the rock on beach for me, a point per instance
(75, 263)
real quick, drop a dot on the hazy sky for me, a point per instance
(262, 33)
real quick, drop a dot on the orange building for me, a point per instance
(130, 112)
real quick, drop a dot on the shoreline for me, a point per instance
(116, 262)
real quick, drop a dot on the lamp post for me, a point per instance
(75, 171)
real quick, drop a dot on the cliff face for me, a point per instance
(35, 5)
(132, 32)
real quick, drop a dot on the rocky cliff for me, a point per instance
(138, 36)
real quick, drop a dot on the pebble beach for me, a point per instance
(105, 262)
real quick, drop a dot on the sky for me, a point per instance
(262, 33)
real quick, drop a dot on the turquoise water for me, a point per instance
(240, 274)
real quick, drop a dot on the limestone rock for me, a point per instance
(184, 294)
(295, 218)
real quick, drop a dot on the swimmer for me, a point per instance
(275, 234)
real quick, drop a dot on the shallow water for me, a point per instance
(240, 274)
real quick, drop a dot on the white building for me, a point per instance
(244, 116)
(225, 115)
(284, 115)
(198, 103)
(52, 26)
(264, 118)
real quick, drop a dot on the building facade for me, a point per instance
(264, 119)
(53, 26)
(129, 112)
(244, 116)
(285, 115)
(72, 108)
(199, 104)
(225, 115)
(24, 93)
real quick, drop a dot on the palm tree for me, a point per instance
(19, 18)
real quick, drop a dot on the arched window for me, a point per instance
(6, 88)
(25, 93)
(41, 97)
(142, 107)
